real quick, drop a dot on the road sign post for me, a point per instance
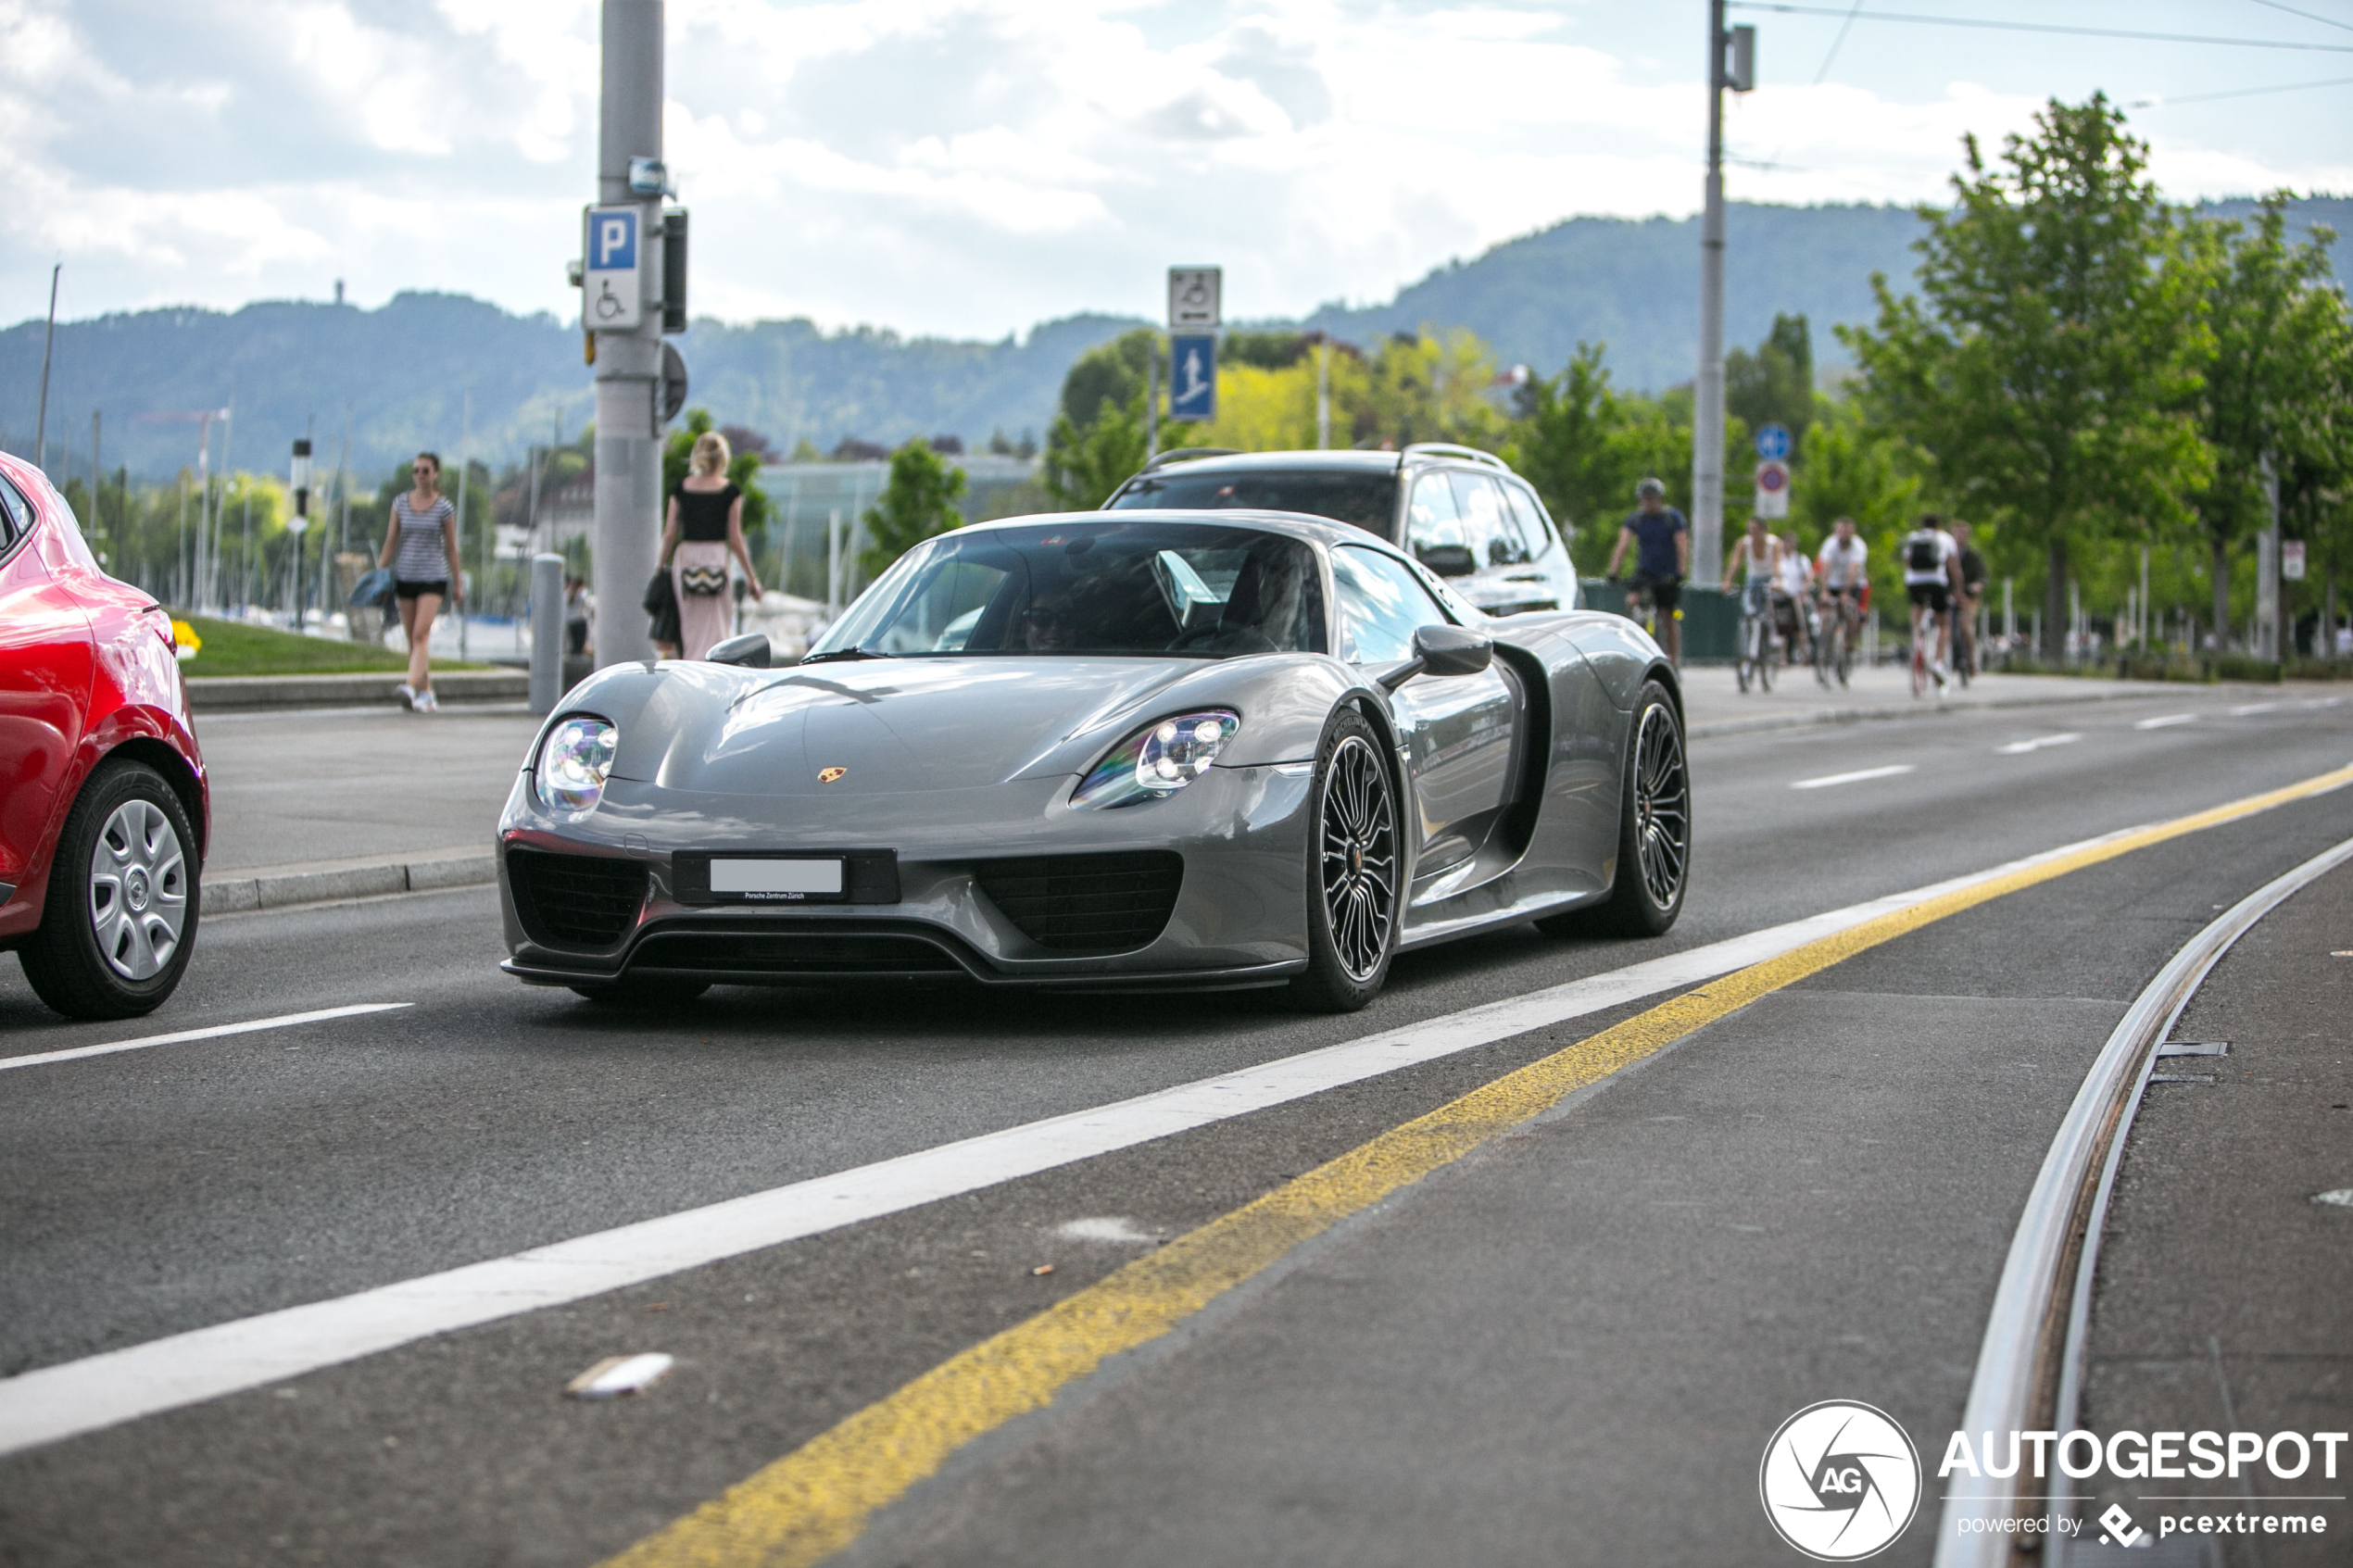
(1772, 487)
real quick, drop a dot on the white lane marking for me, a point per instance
(56, 1403)
(2020, 747)
(1856, 777)
(1105, 1227)
(2243, 708)
(2319, 702)
(147, 1042)
(2164, 722)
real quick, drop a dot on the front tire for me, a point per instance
(120, 920)
(1654, 832)
(1355, 872)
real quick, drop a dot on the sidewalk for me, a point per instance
(1713, 704)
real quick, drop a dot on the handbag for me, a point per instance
(703, 582)
(661, 603)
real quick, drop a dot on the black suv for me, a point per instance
(1462, 512)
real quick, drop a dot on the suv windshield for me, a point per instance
(1367, 500)
(1156, 589)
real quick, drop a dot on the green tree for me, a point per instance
(2044, 365)
(2263, 405)
(1774, 385)
(919, 501)
(1112, 372)
(1085, 464)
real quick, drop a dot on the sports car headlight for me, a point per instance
(1154, 763)
(573, 764)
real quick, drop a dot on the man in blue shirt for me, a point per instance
(1662, 543)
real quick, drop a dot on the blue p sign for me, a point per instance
(612, 244)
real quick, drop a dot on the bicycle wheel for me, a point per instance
(1767, 651)
(1845, 650)
(1919, 667)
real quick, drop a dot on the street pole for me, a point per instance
(1322, 392)
(465, 439)
(1151, 397)
(1707, 425)
(41, 421)
(2266, 570)
(629, 361)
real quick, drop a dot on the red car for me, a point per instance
(104, 806)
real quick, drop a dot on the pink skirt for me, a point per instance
(704, 619)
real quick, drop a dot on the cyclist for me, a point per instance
(1974, 579)
(1662, 543)
(1792, 590)
(1841, 575)
(1931, 574)
(1759, 556)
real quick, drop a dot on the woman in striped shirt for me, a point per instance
(420, 546)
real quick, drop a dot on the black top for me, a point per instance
(702, 514)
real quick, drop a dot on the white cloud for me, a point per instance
(967, 166)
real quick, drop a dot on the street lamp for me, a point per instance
(300, 521)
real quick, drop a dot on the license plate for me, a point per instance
(784, 880)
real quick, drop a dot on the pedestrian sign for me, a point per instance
(1194, 298)
(1772, 486)
(1772, 443)
(612, 295)
(1192, 378)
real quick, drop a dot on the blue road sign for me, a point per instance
(613, 291)
(1192, 378)
(1772, 443)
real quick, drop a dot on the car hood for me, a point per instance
(891, 724)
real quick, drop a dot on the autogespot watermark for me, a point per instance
(1840, 1481)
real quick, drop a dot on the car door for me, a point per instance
(1458, 730)
(45, 664)
(1551, 562)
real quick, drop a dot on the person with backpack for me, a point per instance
(1932, 581)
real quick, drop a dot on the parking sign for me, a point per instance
(1192, 378)
(612, 295)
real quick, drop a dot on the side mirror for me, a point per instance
(750, 651)
(1452, 651)
(1447, 560)
(1443, 650)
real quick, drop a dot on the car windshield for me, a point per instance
(1062, 589)
(1367, 500)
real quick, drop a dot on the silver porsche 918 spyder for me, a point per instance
(1116, 750)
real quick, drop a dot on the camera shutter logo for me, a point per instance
(1841, 1481)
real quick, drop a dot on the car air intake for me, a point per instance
(1086, 903)
(787, 951)
(575, 900)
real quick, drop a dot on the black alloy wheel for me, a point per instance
(1654, 832)
(1355, 872)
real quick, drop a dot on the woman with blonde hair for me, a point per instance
(706, 527)
(420, 546)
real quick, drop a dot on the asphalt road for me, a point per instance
(1570, 1347)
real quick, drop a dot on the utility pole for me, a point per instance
(41, 421)
(1707, 428)
(628, 355)
(465, 440)
(1323, 391)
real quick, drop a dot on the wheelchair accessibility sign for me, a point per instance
(612, 295)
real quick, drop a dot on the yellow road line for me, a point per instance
(815, 1500)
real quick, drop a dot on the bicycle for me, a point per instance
(1964, 644)
(1835, 643)
(1755, 645)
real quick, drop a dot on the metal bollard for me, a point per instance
(547, 633)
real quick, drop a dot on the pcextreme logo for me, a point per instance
(1840, 1481)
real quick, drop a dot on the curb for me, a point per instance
(277, 889)
(216, 694)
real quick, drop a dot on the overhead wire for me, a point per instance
(2036, 27)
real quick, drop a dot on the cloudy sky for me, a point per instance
(970, 167)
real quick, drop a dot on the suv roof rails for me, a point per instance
(1448, 449)
(1184, 454)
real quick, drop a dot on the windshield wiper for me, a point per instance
(836, 655)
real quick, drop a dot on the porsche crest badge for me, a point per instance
(830, 775)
